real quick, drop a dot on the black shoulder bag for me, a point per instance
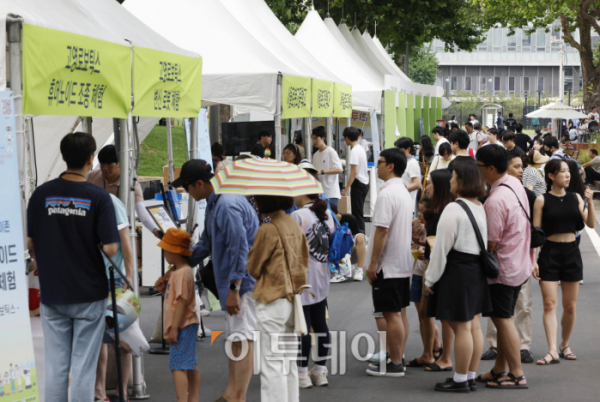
(487, 261)
(538, 237)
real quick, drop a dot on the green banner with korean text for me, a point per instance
(342, 95)
(410, 116)
(389, 118)
(74, 75)
(322, 98)
(166, 84)
(295, 97)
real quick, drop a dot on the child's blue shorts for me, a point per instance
(182, 354)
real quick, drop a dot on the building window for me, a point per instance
(453, 83)
(482, 84)
(525, 85)
(540, 84)
(467, 83)
(496, 84)
(526, 39)
(541, 40)
(511, 43)
(511, 85)
(439, 81)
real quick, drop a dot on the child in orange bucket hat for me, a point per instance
(179, 314)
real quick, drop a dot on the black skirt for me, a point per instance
(462, 291)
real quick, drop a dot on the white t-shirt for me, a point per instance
(498, 143)
(358, 157)
(437, 146)
(412, 170)
(474, 138)
(328, 160)
(394, 211)
(596, 115)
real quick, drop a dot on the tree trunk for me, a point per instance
(591, 73)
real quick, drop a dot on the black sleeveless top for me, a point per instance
(561, 214)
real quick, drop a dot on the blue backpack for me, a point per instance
(341, 244)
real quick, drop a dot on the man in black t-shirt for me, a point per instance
(263, 147)
(523, 141)
(67, 218)
(510, 123)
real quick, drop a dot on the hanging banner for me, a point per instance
(410, 116)
(74, 75)
(322, 98)
(389, 118)
(343, 100)
(432, 114)
(418, 115)
(425, 115)
(401, 115)
(17, 364)
(438, 115)
(295, 97)
(166, 84)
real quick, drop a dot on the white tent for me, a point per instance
(557, 110)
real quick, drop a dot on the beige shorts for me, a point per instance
(243, 323)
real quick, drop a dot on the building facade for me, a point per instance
(517, 64)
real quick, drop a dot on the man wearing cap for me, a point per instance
(230, 225)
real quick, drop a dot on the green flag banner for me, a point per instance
(432, 114)
(438, 115)
(418, 115)
(401, 114)
(410, 116)
(425, 115)
(322, 98)
(295, 97)
(74, 75)
(389, 118)
(342, 100)
(166, 84)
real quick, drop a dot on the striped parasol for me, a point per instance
(255, 176)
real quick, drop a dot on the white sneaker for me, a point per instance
(319, 380)
(305, 382)
(204, 312)
(338, 278)
(375, 358)
(358, 275)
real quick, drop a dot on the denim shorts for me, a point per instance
(416, 288)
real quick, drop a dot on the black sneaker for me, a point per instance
(490, 354)
(391, 370)
(451, 386)
(526, 356)
(472, 385)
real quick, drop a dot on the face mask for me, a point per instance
(549, 153)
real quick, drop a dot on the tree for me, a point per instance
(423, 65)
(454, 22)
(572, 14)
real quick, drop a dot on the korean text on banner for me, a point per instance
(401, 114)
(322, 98)
(343, 100)
(16, 347)
(73, 75)
(410, 116)
(166, 84)
(389, 118)
(295, 97)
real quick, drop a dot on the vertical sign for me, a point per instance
(17, 364)
(418, 115)
(322, 98)
(342, 95)
(389, 119)
(410, 116)
(425, 116)
(401, 115)
(295, 96)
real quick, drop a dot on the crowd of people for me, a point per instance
(456, 230)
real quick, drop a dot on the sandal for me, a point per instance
(511, 378)
(494, 377)
(415, 363)
(434, 367)
(546, 362)
(562, 354)
(439, 351)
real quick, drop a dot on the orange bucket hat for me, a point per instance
(176, 241)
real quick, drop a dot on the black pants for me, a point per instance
(358, 193)
(591, 175)
(315, 318)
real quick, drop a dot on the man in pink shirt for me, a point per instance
(509, 237)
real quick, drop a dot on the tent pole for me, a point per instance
(124, 159)
(348, 124)
(277, 134)
(193, 155)
(16, 80)
(170, 151)
(86, 125)
(308, 138)
(329, 130)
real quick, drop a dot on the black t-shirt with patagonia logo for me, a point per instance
(66, 221)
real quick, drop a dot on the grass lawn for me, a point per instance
(153, 154)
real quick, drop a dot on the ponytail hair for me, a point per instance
(319, 207)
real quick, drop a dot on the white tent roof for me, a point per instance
(557, 110)
(388, 59)
(319, 41)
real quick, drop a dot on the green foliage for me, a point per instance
(153, 155)
(454, 22)
(423, 66)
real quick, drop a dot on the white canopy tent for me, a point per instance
(557, 110)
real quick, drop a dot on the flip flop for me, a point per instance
(434, 367)
(415, 363)
(511, 378)
(494, 376)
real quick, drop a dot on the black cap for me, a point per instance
(192, 171)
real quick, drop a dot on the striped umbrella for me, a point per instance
(255, 176)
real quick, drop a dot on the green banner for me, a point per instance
(295, 97)
(410, 116)
(401, 114)
(322, 98)
(342, 100)
(432, 114)
(425, 115)
(74, 75)
(438, 115)
(418, 115)
(389, 118)
(166, 84)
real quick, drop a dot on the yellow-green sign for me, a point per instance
(343, 100)
(438, 115)
(295, 97)
(322, 98)
(401, 114)
(74, 75)
(389, 117)
(410, 116)
(166, 84)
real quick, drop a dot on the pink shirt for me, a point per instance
(509, 228)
